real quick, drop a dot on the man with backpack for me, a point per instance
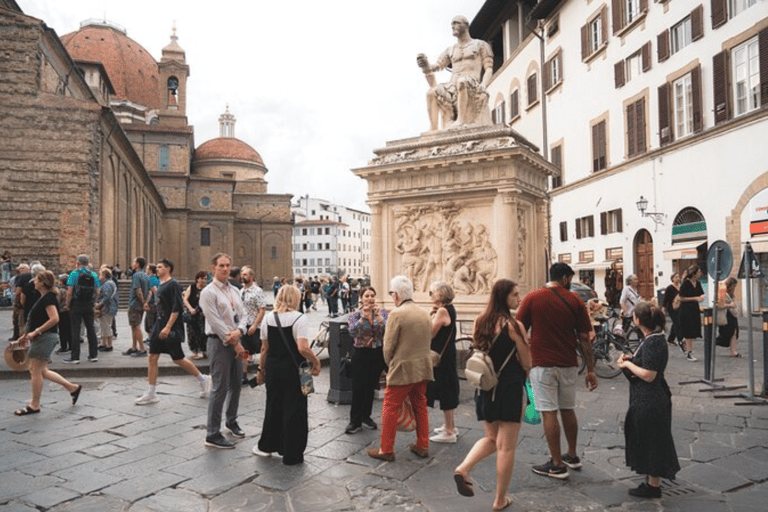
(82, 287)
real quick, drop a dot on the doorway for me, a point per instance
(644, 264)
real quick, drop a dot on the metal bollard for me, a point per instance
(763, 392)
(709, 342)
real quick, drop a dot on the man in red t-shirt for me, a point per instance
(556, 317)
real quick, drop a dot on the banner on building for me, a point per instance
(758, 213)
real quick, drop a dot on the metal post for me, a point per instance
(765, 357)
(709, 342)
(709, 333)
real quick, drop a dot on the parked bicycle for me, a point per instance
(322, 340)
(606, 348)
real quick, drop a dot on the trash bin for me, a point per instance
(340, 344)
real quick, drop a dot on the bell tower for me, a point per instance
(174, 72)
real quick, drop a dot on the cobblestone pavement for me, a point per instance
(107, 454)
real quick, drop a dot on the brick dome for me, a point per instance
(227, 148)
(131, 69)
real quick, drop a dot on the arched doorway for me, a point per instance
(644, 263)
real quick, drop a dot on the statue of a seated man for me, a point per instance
(463, 101)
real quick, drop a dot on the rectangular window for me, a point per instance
(556, 157)
(610, 222)
(585, 227)
(736, 7)
(682, 96)
(497, 116)
(564, 231)
(274, 252)
(532, 92)
(327, 231)
(205, 237)
(303, 247)
(631, 11)
(635, 119)
(304, 231)
(595, 34)
(599, 146)
(680, 35)
(327, 262)
(634, 66)
(327, 246)
(746, 76)
(514, 105)
(163, 158)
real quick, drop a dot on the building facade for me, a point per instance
(330, 239)
(653, 112)
(100, 158)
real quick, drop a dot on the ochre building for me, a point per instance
(98, 157)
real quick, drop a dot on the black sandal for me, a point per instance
(26, 410)
(463, 485)
(76, 394)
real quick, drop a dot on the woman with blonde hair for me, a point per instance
(42, 336)
(498, 333)
(445, 387)
(283, 346)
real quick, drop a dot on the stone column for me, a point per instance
(378, 265)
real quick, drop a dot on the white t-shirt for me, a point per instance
(300, 323)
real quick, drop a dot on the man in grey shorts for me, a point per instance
(555, 316)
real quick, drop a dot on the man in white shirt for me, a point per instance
(225, 323)
(254, 303)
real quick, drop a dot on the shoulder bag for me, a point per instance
(305, 369)
(438, 356)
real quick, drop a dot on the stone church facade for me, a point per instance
(98, 157)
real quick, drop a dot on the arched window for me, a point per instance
(689, 225)
(173, 93)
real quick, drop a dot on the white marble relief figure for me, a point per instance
(463, 101)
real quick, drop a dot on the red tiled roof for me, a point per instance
(131, 69)
(228, 148)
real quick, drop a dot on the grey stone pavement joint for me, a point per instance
(107, 454)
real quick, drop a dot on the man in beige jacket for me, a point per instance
(406, 352)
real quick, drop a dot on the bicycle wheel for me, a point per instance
(321, 340)
(606, 356)
(634, 336)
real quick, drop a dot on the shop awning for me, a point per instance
(592, 265)
(758, 246)
(689, 251)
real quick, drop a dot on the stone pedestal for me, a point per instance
(464, 206)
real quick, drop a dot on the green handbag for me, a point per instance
(531, 415)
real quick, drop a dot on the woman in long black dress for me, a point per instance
(286, 424)
(648, 425)
(670, 293)
(728, 334)
(691, 294)
(196, 326)
(445, 387)
(500, 409)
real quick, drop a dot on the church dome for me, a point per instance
(227, 148)
(131, 69)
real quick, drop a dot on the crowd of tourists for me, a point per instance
(224, 314)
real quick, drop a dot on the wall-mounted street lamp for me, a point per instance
(642, 206)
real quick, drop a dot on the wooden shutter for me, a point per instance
(564, 231)
(604, 23)
(514, 106)
(557, 156)
(618, 73)
(619, 221)
(585, 46)
(595, 149)
(631, 130)
(578, 228)
(603, 223)
(559, 58)
(532, 94)
(591, 224)
(662, 46)
(640, 126)
(720, 86)
(643, 5)
(762, 45)
(503, 112)
(719, 13)
(602, 143)
(698, 121)
(617, 13)
(547, 76)
(665, 114)
(646, 56)
(697, 23)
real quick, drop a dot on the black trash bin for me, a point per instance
(340, 344)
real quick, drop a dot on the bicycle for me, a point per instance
(606, 349)
(632, 337)
(322, 340)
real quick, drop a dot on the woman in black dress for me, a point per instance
(196, 326)
(286, 424)
(445, 387)
(728, 334)
(691, 294)
(648, 425)
(672, 291)
(42, 336)
(501, 408)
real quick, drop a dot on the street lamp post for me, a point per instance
(642, 206)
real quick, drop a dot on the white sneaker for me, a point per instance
(690, 357)
(260, 453)
(205, 386)
(439, 430)
(444, 438)
(146, 399)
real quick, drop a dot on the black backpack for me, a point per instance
(84, 289)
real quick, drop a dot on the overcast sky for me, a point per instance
(315, 86)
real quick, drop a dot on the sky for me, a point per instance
(315, 86)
